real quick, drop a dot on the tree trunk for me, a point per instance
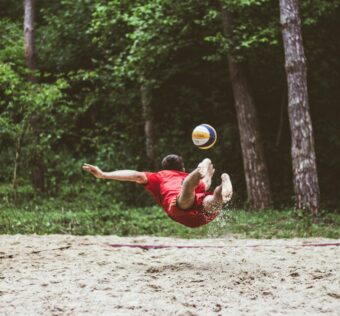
(306, 184)
(36, 159)
(37, 171)
(29, 14)
(146, 99)
(255, 168)
(18, 146)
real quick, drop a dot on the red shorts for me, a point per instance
(193, 217)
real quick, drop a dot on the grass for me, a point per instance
(79, 212)
(283, 224)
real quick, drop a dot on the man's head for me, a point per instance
(173, 162)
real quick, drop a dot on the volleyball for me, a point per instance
(204, 136)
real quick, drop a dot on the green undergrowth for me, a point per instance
(88, 213)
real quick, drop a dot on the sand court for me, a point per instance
(84, 275)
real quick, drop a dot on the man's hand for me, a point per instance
(94, 170)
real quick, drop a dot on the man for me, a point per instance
(184, 197)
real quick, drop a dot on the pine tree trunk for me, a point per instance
(255, 168)
(306, 184)
(148, 126)
(37, 171)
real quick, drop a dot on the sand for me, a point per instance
(73, 275)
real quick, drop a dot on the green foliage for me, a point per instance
(93, 57)
(313, 11)
(139, 39)
(21, 100)
(62, 41)
(11, 45)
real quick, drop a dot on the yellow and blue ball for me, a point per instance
(204, 136)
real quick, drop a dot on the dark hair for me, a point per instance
(172, 162)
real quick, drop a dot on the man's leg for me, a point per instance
(222, 194)
(186, 198)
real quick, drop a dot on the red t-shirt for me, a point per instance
(165, 186)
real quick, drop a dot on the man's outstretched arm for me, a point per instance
(120, 175)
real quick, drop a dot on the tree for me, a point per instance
(305, 176)
(37, 171)
(255, 168)
(146, 99)
(29, 15)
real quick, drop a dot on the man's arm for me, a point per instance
(120, 175)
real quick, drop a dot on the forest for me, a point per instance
(122, 83)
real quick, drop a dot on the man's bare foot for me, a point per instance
(227, 188)
(203, 167)
(207, 178)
